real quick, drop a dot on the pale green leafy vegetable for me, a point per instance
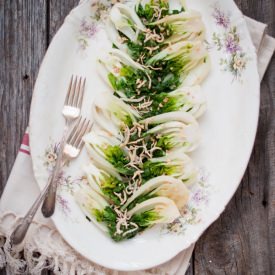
(111, 113)
(162, 186)
(174, 130)
(91, 204)
(184, 59)
(186, 25)
(175, 163)
(108, 155)
(106, 185)
(126, 21)
(161, 210)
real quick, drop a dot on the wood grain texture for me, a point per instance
(242, 240)
(23, 45)
(58, 10)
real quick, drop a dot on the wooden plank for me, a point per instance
(23, 44)
(242, 241)
(58, 10)
(190, 270)
(22, 47)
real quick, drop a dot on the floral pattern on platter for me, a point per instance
(227, 41)
(63, 205)
(65, 183)
(68, 184)
(88, 29)
(89, 26)
(190, 215)
(50, 156)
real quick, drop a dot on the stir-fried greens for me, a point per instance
(140, 170)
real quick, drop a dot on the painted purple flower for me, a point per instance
(199, 196)
(231, 44)
(221, 18)
(88, 29)
(63, 204)
(228, 41)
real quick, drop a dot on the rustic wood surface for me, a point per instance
(242, 240)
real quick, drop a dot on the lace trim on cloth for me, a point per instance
(44, 248)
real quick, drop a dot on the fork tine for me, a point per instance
(79, 103)
(87, 131)
(81, 134)
(72, 132)
(76, 92)
(72, 94)
(69, 91)
(78, 130)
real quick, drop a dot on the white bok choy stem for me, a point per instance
(190, 57)
(198, 74)
(180, 116)
(160, 210)
(90, 203)
(186, 25)
(163, 186)
(190, 53)
(95, 177)
(180, 129)
(177, 5)
(126, 21)
(191, 99)
(112, 63)
(96, 145)
(173, 4)
(111, 113)
(123, 19)
(176, 164)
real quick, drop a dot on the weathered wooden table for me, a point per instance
(242, 240)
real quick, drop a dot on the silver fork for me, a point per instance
(72, 148)
(71, 111)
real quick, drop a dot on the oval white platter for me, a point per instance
(228, 131)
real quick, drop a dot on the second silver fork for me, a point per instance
(74, 144)
(71, 111)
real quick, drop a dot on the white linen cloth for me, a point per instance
(43, 246)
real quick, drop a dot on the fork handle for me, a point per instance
(48, 205)
(24, 223)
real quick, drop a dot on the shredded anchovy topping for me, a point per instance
(132, 99)
(122, 197)
(151, 49)
(122, 220)
(150, 80)
(153, 68)
(140, 83)
(158, 12)
(152, 35)
(131, 230)
(123, 39)
(127, 137)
